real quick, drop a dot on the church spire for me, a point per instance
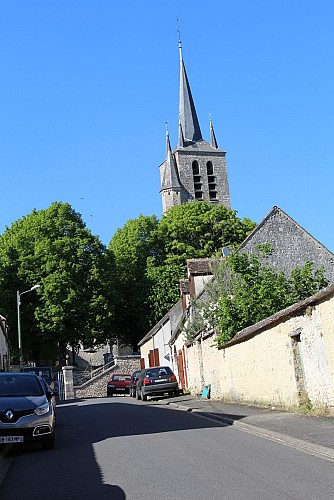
(181, 142)
(188, 124)
(170, 179)
(213, 140)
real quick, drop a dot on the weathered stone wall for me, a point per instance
(92, 358)
(97, 387)
(291, 243)
(200, 153)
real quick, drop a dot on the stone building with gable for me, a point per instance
(195, 169)
(292, 244)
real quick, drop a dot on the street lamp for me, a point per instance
(18, 296)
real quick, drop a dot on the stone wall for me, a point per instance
(291, 243)
(202, 153)
(97, 386)
(100, 355)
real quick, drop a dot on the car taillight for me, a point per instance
(172, 378)
(146, 381)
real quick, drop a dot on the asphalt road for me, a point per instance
(121, 448)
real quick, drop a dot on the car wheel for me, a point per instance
(143, 396)
(49, 445)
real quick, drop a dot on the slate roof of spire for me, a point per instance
(170, 179)
(213, 140)
(189, 123)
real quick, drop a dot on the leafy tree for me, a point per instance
(53, 248)
(306, 282)
(245, 291)
(164, 288)
(131, 246)
(199, 229)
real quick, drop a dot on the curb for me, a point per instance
(315, 450)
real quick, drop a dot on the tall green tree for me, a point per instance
(164, 289)
(53, 248)
(131, 246)
(199, 229)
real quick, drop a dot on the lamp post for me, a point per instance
(18, 297)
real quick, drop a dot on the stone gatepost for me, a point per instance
(68, 382)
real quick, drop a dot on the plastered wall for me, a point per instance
(265, 368)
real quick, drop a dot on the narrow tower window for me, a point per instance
(197, 181)
(211, 181)
(209, 168)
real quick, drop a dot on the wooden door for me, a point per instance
(181, 370)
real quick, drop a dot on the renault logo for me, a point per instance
(9, 415)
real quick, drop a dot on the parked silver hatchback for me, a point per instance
(26, 410)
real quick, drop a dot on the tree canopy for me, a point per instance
(54, 249)
(199, 229)
(91, 294)
(150, 259)
(131, 246)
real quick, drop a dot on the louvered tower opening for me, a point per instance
(197, 181)
(211, 181)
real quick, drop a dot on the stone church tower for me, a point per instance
(195, 169)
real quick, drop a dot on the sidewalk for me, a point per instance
(311, 434)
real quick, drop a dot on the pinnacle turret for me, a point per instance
(213, 140)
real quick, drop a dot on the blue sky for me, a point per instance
(86, 88)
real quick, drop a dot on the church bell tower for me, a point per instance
(195, 169)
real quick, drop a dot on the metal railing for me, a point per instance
(61, 388)
(102, 369)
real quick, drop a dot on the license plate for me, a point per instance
(120, 389)
(11, 439)
(161, 380)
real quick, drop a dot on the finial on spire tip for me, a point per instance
(179, 32)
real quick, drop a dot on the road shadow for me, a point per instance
(72, 469)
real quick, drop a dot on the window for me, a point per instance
(209, 168)
(197, 181)
(195, 168)
(211, 181)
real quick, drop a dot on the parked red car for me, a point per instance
(118, 383)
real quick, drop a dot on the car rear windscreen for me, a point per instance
(159, 372)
